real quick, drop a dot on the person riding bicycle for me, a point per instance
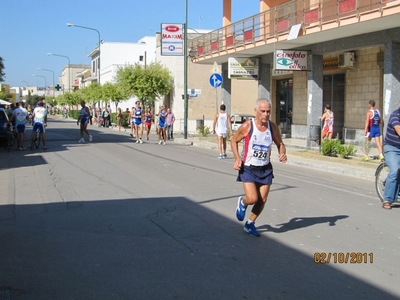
(391, 150)
(39, 116)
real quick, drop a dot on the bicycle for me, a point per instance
(9, 138)
(37, 137)
(380, 180)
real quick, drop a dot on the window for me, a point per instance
(141, 57)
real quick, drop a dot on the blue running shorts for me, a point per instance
(256, 174)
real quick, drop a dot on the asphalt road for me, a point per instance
(117, 220)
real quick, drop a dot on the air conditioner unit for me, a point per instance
(346, 60)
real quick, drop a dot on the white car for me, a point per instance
(238, 119)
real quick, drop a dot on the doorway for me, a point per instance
(333, 94)
(284, 100)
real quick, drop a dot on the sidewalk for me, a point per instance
(299, 154)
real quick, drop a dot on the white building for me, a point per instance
(116, 55)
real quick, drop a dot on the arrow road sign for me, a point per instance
(216, 80)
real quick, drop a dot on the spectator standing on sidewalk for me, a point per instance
(170, 124)
(254, 166)
(119, 118)
(83, 119)
(98, 115)
(91, 115)
(222, 122)
(106, 118)
(373, 121)
(391, 150)
(327, 118)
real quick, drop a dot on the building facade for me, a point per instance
(352, 50)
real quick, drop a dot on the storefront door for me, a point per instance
(284, 98)
(333, 94)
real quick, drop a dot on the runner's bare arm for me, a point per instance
(279, 143)
(236, 139)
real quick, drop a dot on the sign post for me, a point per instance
(216, 81)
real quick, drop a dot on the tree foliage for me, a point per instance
(92, 93)
(113, 92)
(2, 74)
(145, 83)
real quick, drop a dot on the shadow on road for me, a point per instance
(298, 223)
(157, 248)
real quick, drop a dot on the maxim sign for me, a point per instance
(290, 60)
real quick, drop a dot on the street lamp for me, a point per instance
(94, 29)
(45, 82)
(53, 79)
(69, 67)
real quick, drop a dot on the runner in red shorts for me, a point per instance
(148, 118)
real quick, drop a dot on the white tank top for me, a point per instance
(257, 146)
(222, 123)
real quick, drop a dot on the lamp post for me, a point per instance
(45, 82)
(185, 71)
(27, 91)
(53, 80)
(69, 67)
(94, 29)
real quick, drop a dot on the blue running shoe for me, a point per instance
(220, 156)
(240, 210)
(224, 155)
(251, 229)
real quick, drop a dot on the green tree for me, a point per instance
(145, 83)
(92, 93)
(73, 98)
(113, 92)
(2, 74)
(33, 99)
(3, 95)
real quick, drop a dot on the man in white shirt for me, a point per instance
(39, 121)
(19, 115)
(222, 121)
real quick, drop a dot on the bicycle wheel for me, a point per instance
(37, 139)
(380, 179)
(9, 142)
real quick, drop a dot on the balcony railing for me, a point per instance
(274, 25)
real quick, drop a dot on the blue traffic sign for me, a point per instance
(216, 80)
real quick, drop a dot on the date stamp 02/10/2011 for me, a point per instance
(343, 257)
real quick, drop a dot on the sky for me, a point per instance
(31, 29)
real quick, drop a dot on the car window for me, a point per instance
(239, 119)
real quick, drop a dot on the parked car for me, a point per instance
(4, 123)
(238, 119)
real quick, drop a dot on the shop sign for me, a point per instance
(243, 68)
(172, 39)
(290, 60)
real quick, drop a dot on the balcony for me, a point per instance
(319, 22)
